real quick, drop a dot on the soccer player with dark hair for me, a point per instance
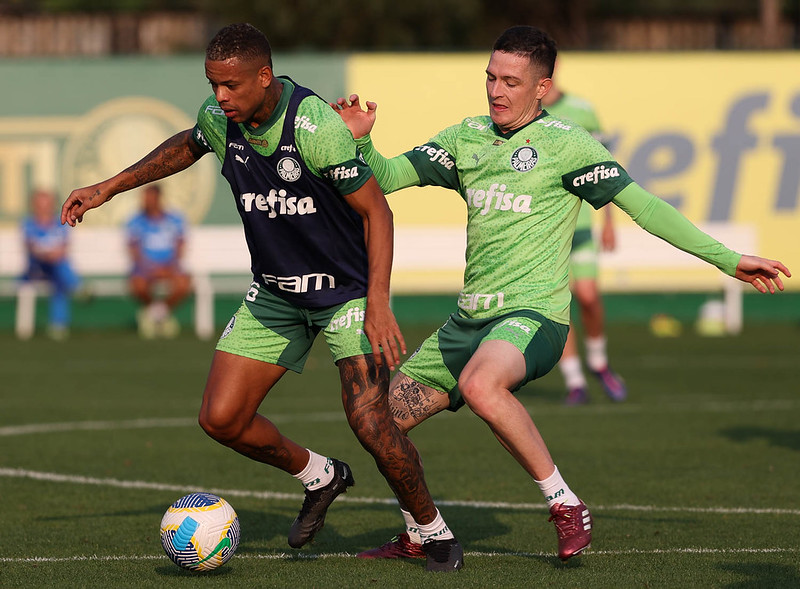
(320, 236)
(523, 175)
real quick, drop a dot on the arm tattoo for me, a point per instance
(175, 154)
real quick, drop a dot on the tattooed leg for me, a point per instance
(364, 395)
(411, 403)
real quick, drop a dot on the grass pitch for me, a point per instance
(693, 482)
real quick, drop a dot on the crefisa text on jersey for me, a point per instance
(277, 202)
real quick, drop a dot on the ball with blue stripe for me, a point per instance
(200, 531)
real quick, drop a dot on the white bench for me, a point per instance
(216, 257)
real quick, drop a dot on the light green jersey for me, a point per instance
(577, 110)
(572, 108)
(523, 192)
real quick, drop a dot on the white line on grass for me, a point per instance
(304, 556)
(116, 483)
(148, 423)
(172, 422)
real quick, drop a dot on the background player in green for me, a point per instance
(320, 236)
(523, 175)
(583, 273)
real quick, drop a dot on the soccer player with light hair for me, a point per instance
(523, 176)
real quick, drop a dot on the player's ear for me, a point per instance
(265, 75)
(544, 86)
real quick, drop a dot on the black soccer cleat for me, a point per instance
(312, 514)
(443, 556)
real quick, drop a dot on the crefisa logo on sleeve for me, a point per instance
(524, 158)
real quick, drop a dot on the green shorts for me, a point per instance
(269, 329)
(438, 362)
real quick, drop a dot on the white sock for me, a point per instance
(572, 372)
(555, 490)
(317, 473)
(596, 357)
(436, 530)
(412, 528)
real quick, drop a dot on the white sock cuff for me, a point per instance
(412, 527)
(555, 490)
(549, 480)
(436, 530)
(317, 472)
(596, 355)
(572, 372)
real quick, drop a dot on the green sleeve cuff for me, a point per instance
(391, 174)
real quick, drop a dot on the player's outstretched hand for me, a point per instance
(360, 122)
(763, 274)
(383, 333)
(81, 200)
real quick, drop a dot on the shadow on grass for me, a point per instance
(176, 571)
(762, 575)
(775, 437)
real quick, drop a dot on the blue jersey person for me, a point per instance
(156, 240)
(46, 245)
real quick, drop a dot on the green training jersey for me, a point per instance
(580, 111)
(323, 140)
(523, 191)
(577, 110)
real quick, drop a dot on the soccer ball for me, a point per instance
(200, 531)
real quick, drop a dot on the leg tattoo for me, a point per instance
(365, 389)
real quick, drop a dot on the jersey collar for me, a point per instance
(510, 134)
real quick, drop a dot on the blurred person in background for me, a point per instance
(320, 235)
(523, 175)
(46, 244)
(156, 242)
(583, 273)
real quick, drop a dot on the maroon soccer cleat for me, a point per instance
(398, 547)
(574, 528)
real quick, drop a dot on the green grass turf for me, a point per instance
(693, 482)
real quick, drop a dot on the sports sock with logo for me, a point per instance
(436, 530)
(555, 490)
(596, 357)
(317, 473)
(572, 372)
(412, 528)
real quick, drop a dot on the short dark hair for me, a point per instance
(241, 40)
(529, 42)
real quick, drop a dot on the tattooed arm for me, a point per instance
(177, 153)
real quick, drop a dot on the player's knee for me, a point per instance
(222, 426)
(587, 293)
(475, 392)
